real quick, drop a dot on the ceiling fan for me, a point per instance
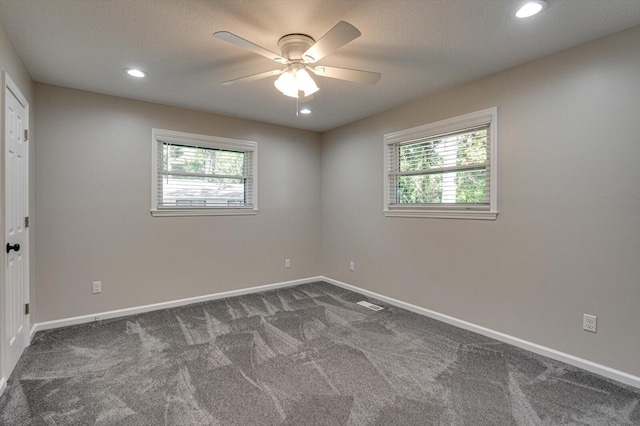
(299, 53)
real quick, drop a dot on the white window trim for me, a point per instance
(204, 141)
(489, 115)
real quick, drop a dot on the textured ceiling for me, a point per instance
(420, 46)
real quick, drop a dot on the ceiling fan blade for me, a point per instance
(341, 34)
(246, 44)
(253, 77)
(364, 77)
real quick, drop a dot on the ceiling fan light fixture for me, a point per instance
(306, 83)
(286, 83)
(308, 58)
(297, 80)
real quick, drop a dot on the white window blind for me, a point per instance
(442, 167)
(196, 174)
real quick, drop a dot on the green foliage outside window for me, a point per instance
(427, 185)
(187, 159)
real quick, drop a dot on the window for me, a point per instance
(446, 169)
(202, 175)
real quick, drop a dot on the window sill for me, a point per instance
(443, 214)
(204, 212)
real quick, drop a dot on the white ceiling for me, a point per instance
(420, 46)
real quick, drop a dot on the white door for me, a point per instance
(16, 210)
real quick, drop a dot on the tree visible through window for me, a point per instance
(194, 172)
(442, 166)
(450, 169)
(202, 176)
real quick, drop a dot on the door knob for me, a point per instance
(15, 247)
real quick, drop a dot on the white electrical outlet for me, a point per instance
(287, 263)
(590, 322)
(97, 287)
(352, 266)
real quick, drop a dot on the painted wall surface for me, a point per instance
(12, 64)
(93, 190)
(567, 238)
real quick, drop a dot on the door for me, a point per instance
(15, 211)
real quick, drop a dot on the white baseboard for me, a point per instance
(64, 322)
(33, 330)
(591, 366)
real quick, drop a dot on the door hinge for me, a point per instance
(26, 309)
(26, 135)
(26, 222)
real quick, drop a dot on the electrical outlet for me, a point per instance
(287, 263)
(97, 287)
(352, 266)
(590, 322)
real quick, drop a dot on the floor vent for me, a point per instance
(370, 306)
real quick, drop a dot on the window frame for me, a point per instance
(478, 118)
(203, 141)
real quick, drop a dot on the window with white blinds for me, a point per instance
(202, 175)
(445, 169)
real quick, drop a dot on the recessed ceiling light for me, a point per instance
(305, 111)
(134, 72)
(530, 8)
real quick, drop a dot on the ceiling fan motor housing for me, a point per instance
(293, 46)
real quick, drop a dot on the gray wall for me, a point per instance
(567, 239)
(93, 190)
(11, 62)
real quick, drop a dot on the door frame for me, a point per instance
(8, 84)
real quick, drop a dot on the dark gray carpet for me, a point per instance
(306, 355)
